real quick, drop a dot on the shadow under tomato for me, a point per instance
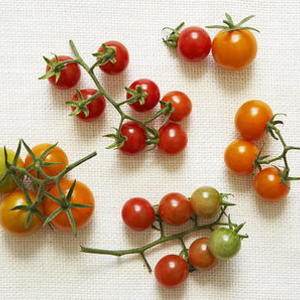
(194, 70)
(237, 182)
(138, 239)
(171, 163)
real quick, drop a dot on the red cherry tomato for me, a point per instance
(152, 97)
(181, 104)
(175, 209)
(138, 214)
(194, 43)
(96, 107)
(172, 139)
(69, 76)
(121, 57)
(171, 271)
(135, 137)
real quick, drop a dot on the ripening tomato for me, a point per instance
(171, 271)
(240, 157)
(269, 186)
(251, 119)
(14, 221)
(181, 104)
(138, 214)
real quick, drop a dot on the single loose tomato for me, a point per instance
(181, 104)
(251, 119)
(200, 256)
(269, 186)
(81, 195)
(138, 214)
(172, 138)
(171, 271)
(135, 138)
(175, 209)
(14, 221)
(240, 157)
(151, 97)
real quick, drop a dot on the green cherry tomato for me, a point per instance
(205, 202)
(224, 243)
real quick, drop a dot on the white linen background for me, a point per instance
(48, 265)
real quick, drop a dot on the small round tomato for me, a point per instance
(56, 155)
(171, 271)
(8, 185)
(81, 195)
(224, 243)
(251, 119)
(194, 43)
(121, 58)
(181, 104)
(14, 221)
(69, 76)
(138, 214)
(200, 256)
(95, 108)
(269, 186)
(135, 138)
(240, 156)
(151, 99)
(206, 202)
(175, 209)
(172, 139)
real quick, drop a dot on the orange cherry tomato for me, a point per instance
(240, 155)
(269, 186)
(251, 119)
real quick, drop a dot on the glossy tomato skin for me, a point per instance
(69, 76)
(122, 58)
(200, 256)
(240, 157)
(172, 139)
(152, 98)
(194, 43)
(96, 107)
(81, 194)
(8, 185)
(171, 271)
(138, 214)
(269, 186)
(251, 119)
(181, 104)
(135, 137)
(14, 221)
(234, 50)
(175, 209)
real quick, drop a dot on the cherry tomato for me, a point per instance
(181, 104)
(269, 186)
(81, 194)
(56, 155)
(135, 137)
(251, 119)
(194, 43)
(152, 98)
(234, 50)
(172, 138)
(14, 221)
(69, 76)
(8, 185)
(174, 209)
(206, 202)
(240, 156)
(171, 271)
(121, 57)
(96, 107)
(224, 243)
(200, 256)
(138, 214)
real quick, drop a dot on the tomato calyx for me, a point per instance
(108, 55)
(137, 95)
(172, 39)
(118, 138)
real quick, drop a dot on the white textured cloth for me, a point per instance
(48, 265)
